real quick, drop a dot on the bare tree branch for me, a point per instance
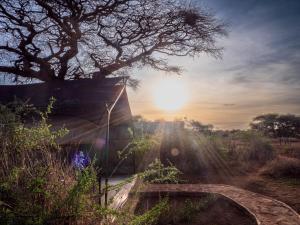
(71, 39)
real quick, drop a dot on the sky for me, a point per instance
(259, 71)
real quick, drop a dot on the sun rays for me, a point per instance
(170, 94)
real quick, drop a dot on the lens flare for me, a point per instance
(170, 94)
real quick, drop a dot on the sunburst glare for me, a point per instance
(170, 94)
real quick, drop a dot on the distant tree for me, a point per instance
(201, 128)
(288, 126)
(72, 39)
(138, 118)
(142, 126)
(267, 124)
(277, 126)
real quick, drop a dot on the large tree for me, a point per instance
(277, 126)
(53, 40)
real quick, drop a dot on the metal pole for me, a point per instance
(106, 158)
(109, 110)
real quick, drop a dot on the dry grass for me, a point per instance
(292, 150)
(283, 167)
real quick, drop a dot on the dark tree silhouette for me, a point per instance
(71, 39)
(201, 128)
(277, 126)
(266, 124)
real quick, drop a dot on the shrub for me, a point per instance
(190, 209)
(258, 150)
(152, 216)
(252, 146)
(36, 185)
(283, 167)
(157, 173)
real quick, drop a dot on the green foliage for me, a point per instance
(27, 172)
(152, 216)
(157, 173)
(37, 185)
(19, 140)
(142, 145)
(185, 212)
(77, 199)
(190, 209)
(38, 137)
(119, 185)
(138, 146)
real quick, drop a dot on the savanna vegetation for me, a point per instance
(41, 185)
(264, 158)
(58, 40)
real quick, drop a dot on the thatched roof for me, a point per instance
(80, 104)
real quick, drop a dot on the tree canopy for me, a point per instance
(201, 128)
(72, 39)
(277, 126)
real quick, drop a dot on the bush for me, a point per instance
(252, 146)
(190, 209)
(258, 150)
(151, 217)
(157, 173)
(283, 167)
(37, 186)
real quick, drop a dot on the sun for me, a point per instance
(170, 94)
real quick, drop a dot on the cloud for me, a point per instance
(260, 69)
(264, 42)
(229, 105)
(279, 64)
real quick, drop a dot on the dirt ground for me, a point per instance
(246, 175)
(280, 190)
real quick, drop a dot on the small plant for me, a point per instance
(151, 217)
(157, 173)
(190, 209)
(136, 148)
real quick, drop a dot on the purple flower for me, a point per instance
(81, 160)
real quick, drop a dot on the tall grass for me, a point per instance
(202, 154)
(250, 146)
(37, 186)
(283, 167)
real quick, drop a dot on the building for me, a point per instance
(80, 106)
